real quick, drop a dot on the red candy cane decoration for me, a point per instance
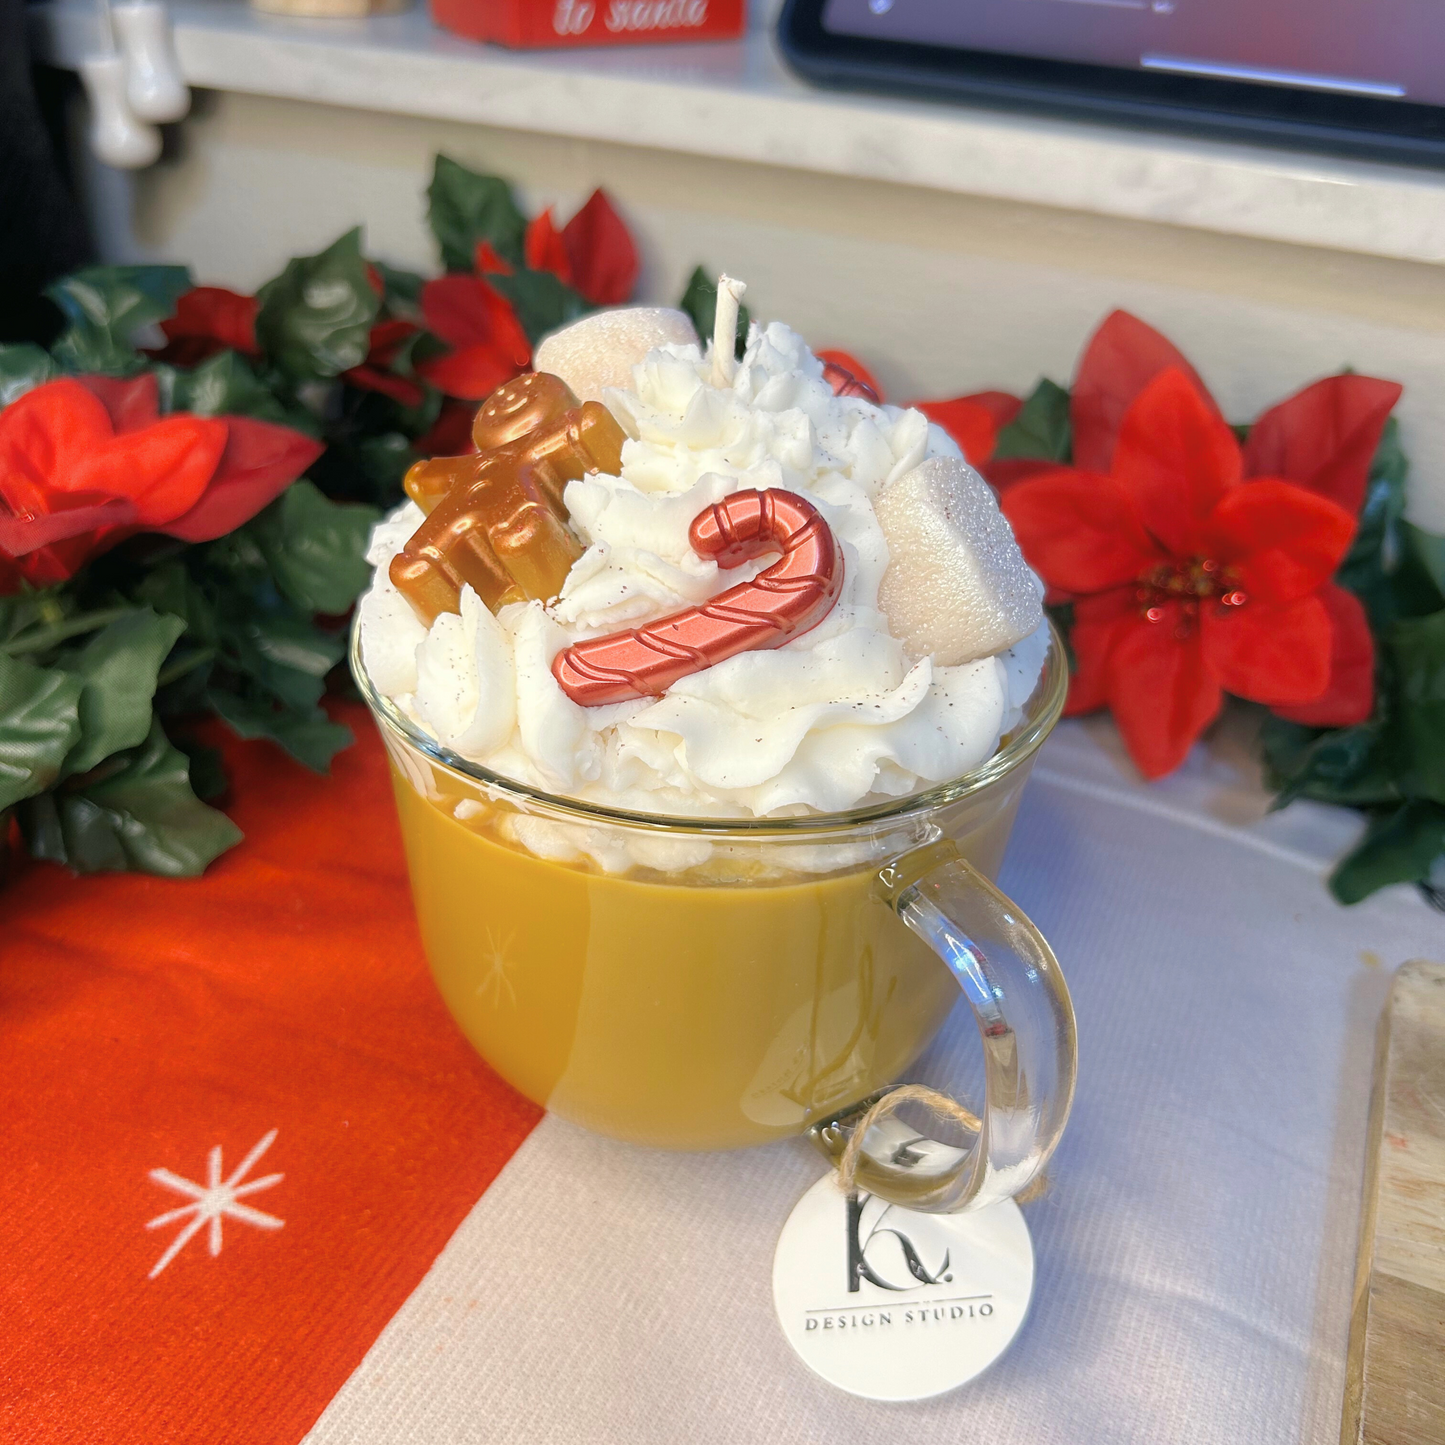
(844, 383)
(797, 592)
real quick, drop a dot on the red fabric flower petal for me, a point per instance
(466, 311)
(259, 462)
(1161, 691)
(473, 373)
(601, 251)
(544, 249)
(162, 468)
(487, 262)
(1123, 356)
(1350, 696)
(852, 366)
(46, 433)
(1178, 458)
(479, 321)
(1324, 437)
(969, 423)
(1099, 622)
(1274, 653)
(1079, 531)
(386, 340)
(373, 378)
(451, 434)
(1283, 541)
(209, 319)
(21, 536)
(1010, 471)
(131, 403)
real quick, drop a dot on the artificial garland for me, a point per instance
(1186, 560)
(160, 562)
(1189, 561)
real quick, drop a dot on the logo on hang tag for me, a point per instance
(891, 1304)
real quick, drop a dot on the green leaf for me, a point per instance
(141, 815)
(315, 317)
(1400, 847)
(1373, 559)
(106, 306)
(23, 367)
(700, 303)
(541, 300)
(316, 548)
(465, 207)
(1350, 766)
(1428, 550)
(384, 460)
(225, 385)
(117, 669)
(39, 724)
(402, 288)
(1418, 647)
(1041, 429)
(309, 736)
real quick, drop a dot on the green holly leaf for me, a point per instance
(464, 208)
(1370, 565)
(1401, 846)
(316, 548)
(1352, 766)
(117, 670)
(1418, 648)
(1042, 427)
(39, 724)
(138, 813)
(23, 367)
(1428, 551)
(315, 318)
(700, 303)
(402, 289)
(106, 306)
(542, 301)
(225, 385)
(307, 734)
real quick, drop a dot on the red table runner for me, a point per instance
(238, 1123)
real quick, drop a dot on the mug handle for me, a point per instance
(1011, 980)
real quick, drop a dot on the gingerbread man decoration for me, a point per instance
(495, 520)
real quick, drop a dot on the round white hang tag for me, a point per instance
(894, 1305)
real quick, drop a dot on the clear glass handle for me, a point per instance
(1011, 980)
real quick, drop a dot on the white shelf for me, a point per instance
(737, 101)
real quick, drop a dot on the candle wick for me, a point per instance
(725, 330)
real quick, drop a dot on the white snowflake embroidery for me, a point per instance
(496, 979)
(213, 1199)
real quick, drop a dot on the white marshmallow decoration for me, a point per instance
(957, 587)
(600, 350)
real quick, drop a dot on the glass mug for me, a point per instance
(703, 984)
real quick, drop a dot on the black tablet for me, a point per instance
(1363, 77)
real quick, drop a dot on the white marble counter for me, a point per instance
(737, 102)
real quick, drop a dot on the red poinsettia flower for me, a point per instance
(974, 421)
(86, 462)
(209, 319)
(477, 321)
(1188, 580)
(594, 252)
(375, 374)
(450, 435)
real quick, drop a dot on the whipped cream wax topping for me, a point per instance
(835, 717)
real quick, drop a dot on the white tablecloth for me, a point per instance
(1196, 1247)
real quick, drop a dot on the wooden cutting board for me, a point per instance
(1395, 1386)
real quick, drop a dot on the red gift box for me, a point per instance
(533, 24)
